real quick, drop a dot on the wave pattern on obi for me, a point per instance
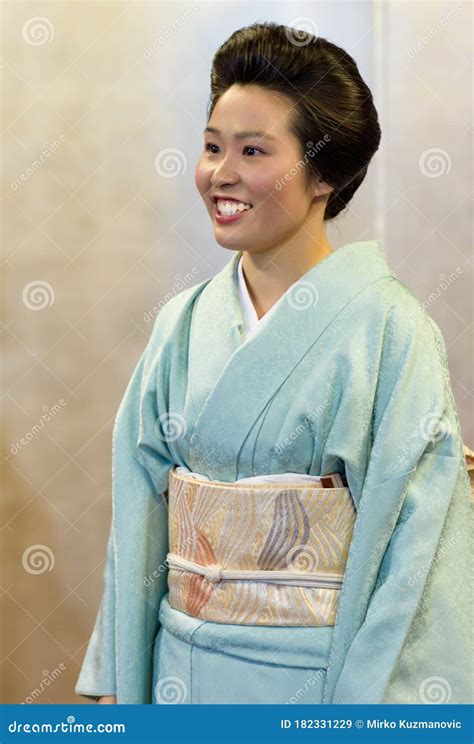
(257, 527)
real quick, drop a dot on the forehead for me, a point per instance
(249, 108)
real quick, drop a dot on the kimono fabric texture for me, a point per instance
(346, 375)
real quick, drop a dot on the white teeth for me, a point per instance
(231, 207)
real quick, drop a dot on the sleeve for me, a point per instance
(139, 479)
(97, 676)
(405, 616)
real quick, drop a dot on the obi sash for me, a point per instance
(258, 554)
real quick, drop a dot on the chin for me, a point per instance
(235, 248)
(229, 241)
(229, 245)
(233, 245)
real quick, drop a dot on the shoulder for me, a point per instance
(412, 350)
(402, 315)
(172, 307)
(172, 304)
(405, 342)
(167, 317)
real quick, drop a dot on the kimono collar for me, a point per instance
(344, 268)
(268, 357)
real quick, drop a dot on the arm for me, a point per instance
(127, 619)
(97, 675)
(405, 608)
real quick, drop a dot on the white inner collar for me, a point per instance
(251, 319)
(248, 309)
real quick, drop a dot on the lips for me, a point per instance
(223, 219)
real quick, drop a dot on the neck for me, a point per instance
(269, 274)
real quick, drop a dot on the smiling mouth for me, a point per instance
(230, 207)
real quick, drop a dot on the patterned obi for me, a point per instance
(258, 554)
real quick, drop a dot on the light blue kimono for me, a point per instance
(348, 375)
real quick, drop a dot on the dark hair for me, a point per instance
(333, 106)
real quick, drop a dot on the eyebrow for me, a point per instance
(244, 135)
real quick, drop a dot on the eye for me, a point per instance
(251, 147)
(247, 147)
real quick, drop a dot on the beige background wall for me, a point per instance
(96, 233)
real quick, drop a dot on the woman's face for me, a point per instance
(257, 169)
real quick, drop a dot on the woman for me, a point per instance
(291, 421)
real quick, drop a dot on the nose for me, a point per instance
(224, 173)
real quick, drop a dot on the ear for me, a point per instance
(321, 187)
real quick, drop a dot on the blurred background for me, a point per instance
(104, 107)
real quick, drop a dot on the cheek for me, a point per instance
(292, 192)
(277, 183)
(261, 187)
(202, 176)
(283, 197)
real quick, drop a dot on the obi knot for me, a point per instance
(213, 573)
